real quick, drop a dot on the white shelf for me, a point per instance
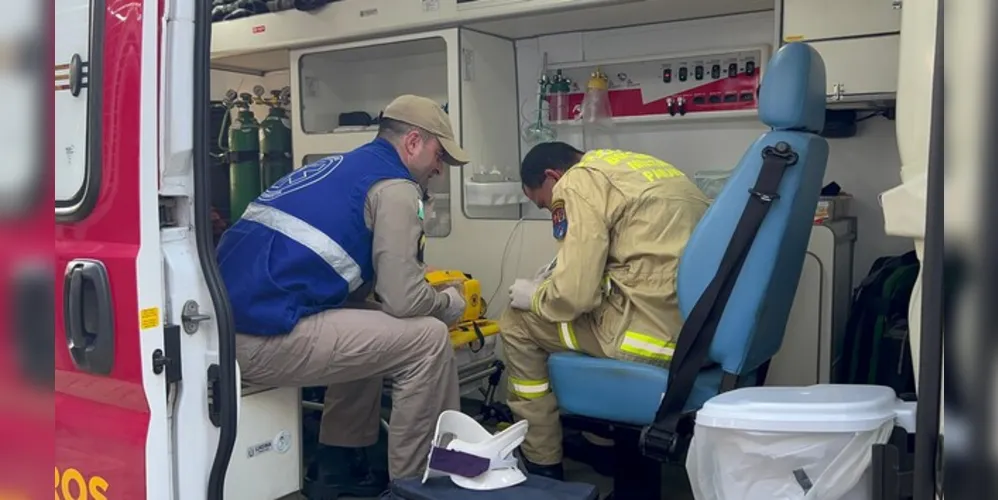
(749, 114)
(667, 56)
(494, 194)
(258, 63)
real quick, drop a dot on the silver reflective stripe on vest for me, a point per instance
(310, 237)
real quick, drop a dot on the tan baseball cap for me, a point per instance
(428, 115)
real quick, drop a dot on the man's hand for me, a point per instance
(455, 309)
(522, 293)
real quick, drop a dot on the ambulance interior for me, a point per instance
(340, 64)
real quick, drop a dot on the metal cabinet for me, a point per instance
(859, 40)
(809, 20)
(859, 69)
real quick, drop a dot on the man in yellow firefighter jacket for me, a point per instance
(622, 221)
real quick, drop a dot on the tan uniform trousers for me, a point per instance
(527, 340)
(353, 351)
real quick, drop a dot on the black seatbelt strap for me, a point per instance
(699, 329)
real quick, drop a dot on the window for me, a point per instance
(79, 58)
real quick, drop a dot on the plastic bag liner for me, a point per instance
(790, 443)
(744, 465)
(534, 488)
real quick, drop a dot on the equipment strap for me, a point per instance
(698, 331)
(481, 338)
(243, 156)
(275, 155)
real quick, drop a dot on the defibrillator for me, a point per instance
(473, 325)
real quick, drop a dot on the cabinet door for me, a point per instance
(798, 361)
(820, 19)
(860, 66)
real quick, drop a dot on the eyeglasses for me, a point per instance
(441, 152)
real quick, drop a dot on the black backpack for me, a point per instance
(875, 349)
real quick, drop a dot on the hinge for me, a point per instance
(169, 361)
(168, 212)
(79, 77)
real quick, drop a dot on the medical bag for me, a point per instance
(875, 347)
(534, 488)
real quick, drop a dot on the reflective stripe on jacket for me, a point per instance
(302, 246)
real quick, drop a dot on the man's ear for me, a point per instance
(412, 139)
(552, 173)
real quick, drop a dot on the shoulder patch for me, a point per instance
(421, 213)
(559, 220)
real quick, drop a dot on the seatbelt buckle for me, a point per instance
(668, 440)
(764, 197)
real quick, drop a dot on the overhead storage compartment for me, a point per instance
(343, 90)
(858, 40)
(860, 70)
(346, 20)
(352, 20)
(824, 19)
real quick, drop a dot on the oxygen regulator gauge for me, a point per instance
(230, 96)
(258, 90)
(285, 95)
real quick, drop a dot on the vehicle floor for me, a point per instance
(582, 473)
(675, 484)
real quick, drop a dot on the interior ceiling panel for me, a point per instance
(628, 14)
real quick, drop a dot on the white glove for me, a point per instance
(455, 308)
(545, 271)
(521, 294)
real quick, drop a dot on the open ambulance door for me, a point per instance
(111, 423)
(205, 387)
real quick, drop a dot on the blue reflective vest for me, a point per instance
(302, 247)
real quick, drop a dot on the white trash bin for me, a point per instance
(792, 443)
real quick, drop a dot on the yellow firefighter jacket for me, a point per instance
(623, 220)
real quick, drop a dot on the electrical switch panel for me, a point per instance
(675, 85)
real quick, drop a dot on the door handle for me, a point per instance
(89, 316)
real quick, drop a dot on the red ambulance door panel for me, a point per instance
(102, 415)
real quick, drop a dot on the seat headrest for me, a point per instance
(792, 94)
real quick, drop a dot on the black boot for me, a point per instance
(556, 471)
(340, 472)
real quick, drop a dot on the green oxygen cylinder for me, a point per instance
(244, 158)
(275, 140)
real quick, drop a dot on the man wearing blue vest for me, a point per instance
(299, 267)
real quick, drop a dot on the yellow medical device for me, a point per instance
(473, 326)
(470, 288)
